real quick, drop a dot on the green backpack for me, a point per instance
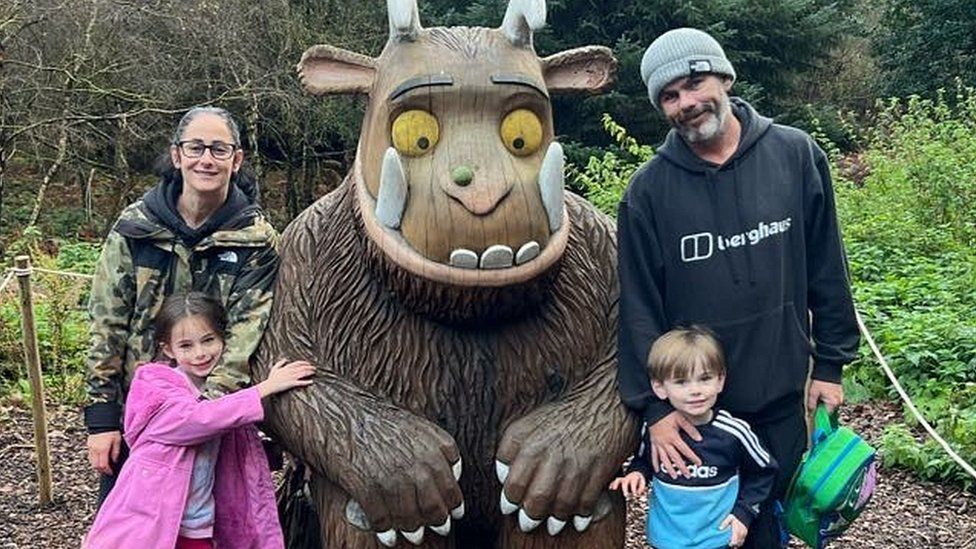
(834, 482)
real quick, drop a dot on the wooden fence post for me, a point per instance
(33, 359)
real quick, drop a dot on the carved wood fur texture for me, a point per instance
(397, 390)
(447, 395)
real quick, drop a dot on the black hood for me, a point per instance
(753, 124)
(161, 200)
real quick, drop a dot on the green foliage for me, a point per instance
(603, 179)
(926, 458)
(908, 228)
(61, 325)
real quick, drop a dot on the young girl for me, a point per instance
(197, 476)
(713, 507)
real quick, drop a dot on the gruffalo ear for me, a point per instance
(326, 69)
(590, 69)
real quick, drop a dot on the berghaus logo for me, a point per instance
(701, 246)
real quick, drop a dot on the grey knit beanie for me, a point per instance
(678, 53)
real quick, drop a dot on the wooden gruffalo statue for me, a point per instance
(460, 306)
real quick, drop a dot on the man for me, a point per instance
(732, 225)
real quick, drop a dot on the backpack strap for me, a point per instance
(824, 423)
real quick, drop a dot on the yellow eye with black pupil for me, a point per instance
(521, 131)
(415, 132)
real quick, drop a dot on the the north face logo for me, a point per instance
(228, 257)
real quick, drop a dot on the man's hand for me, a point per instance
(103, 450)
(831, 394)
(668, 451)
(739, 530)
(633, 484)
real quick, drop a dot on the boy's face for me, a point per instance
(694, 396)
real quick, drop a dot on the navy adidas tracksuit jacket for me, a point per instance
(736, 475)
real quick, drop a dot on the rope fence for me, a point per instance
(6, 280)
(908, 401)
(889, 373)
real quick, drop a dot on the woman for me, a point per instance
(198, 229)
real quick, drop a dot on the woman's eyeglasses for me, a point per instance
(195, 149)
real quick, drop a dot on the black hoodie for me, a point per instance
(750, 249)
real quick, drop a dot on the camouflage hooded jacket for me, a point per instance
(151, 253)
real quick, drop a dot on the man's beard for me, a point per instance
(712, 128)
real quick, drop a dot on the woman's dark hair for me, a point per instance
(170, 174)
(184, 305)
(193, 113)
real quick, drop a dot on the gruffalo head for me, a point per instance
(458, 177)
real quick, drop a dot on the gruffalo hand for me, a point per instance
(406, 480)
(553, 468)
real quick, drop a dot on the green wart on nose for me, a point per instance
(462, 175)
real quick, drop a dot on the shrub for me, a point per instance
(61, 323)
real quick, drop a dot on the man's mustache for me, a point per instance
(703, 108)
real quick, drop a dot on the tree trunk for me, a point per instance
(58, 160)
(253, 116)
(291, 196)
(3, 166)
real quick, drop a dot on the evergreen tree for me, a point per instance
(924, 44)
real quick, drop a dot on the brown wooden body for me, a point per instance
(472, 362)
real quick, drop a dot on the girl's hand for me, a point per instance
(286, 375)
(739, 530)
(633, 484)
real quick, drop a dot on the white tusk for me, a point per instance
(581, 523)
(443, 529)
(551, 185)
(554, 525)
(387, 538)
(501, 471)
(414, 537)
(458, 511)
(507, 507)
(456, 469)
(392, 197)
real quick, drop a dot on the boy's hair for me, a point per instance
(680, 351)
(186, 304)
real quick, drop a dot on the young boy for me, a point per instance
(714, 507)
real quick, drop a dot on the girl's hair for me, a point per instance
(679, 352)
(244, 180)
(184, 305)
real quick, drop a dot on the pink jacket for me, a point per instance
(165, 420)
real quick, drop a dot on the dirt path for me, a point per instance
(905, 512)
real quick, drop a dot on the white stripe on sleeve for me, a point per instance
(740, 430)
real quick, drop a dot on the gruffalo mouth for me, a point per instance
(460, 306)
